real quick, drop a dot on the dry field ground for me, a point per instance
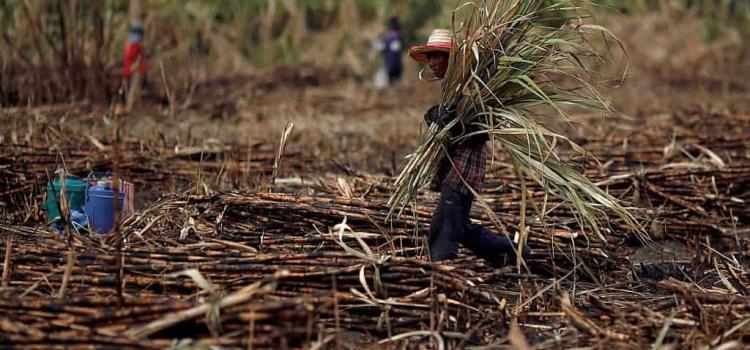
(224, 252)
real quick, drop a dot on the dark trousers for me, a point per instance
(450, 226)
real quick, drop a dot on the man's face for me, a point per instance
(438, 62)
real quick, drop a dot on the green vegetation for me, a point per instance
(68, 37)
(715, 14)
(47, 44)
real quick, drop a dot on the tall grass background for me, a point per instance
(71, 50)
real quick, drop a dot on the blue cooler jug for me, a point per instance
(100, 207)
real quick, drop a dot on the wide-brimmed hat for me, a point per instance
(440, 40)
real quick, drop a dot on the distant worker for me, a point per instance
(392, 51)
(134, 54)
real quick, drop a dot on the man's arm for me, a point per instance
(443, 116)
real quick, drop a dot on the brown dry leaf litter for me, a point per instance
(286, 270)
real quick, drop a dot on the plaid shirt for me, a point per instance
(466, 166)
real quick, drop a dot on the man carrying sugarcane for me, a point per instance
(509, 63)
(459, 176)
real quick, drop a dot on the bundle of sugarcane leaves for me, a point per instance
(511, 59)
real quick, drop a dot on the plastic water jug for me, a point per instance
(75, 191)
(100, 208)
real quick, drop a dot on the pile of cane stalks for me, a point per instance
(26, 168)
(315, 264)
(287, 270)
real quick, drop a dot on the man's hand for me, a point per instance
(439, 116)
(432, 115)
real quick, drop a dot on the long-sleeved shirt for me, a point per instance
(465, 165)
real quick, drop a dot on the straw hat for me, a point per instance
(441, 40)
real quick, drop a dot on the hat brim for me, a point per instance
(419, 53)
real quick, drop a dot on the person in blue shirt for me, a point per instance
(392, 51)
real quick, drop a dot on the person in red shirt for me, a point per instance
(134, 54)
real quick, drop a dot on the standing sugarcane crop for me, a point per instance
(450, 224)
(506, 63)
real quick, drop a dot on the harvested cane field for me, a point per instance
(261, 222)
